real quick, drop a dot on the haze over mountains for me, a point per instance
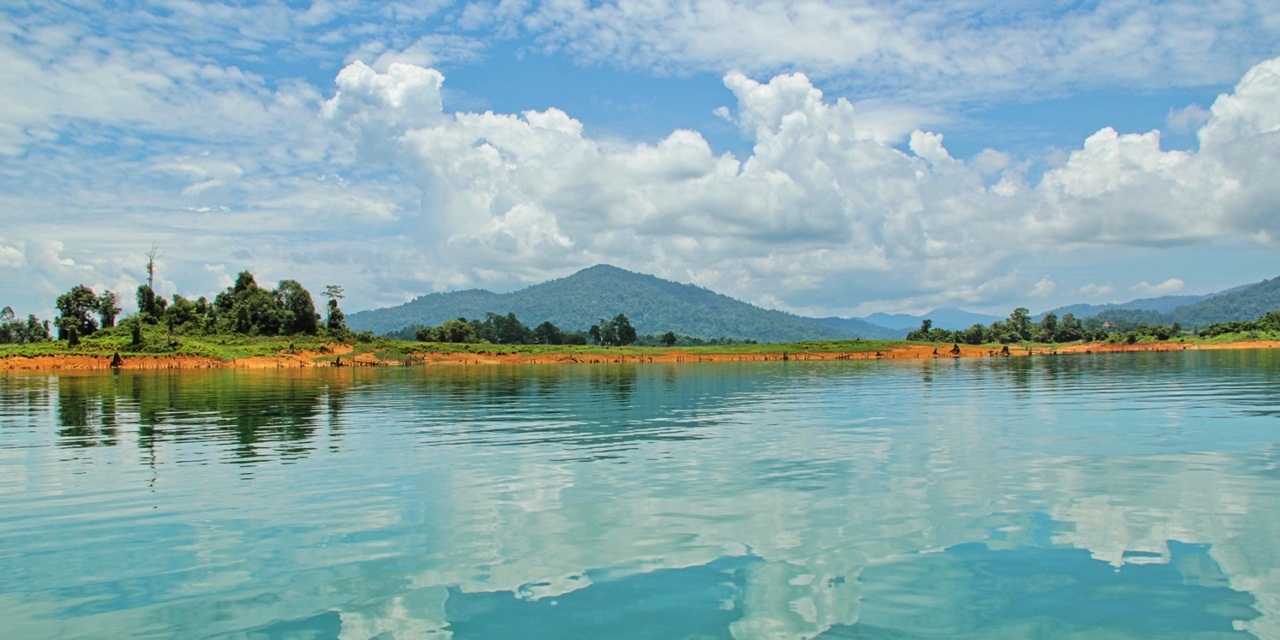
(656, 306)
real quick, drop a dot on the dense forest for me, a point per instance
(1237, 305)
(508, 329)
(1020, 327)
(574, 303)
(244, 308)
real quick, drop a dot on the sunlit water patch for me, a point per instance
(1124, 496)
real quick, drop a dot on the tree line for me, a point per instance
(244, 308)
(1267, 323)
(1020, 327)
(500, 329)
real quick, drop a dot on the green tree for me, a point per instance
(1020, 324)
(972, 335)
(146, 298)
(108, 308)
(1069, 329)
(507, 329)
(37, 330)
(669, 339)
(921, 334)
(547, 333)
(624, 334)
(299, 312)
(335, 321)
(249, 309)
(182, 313)
(457, 331)
(9, 327)
(75, 307)
(1047, 330)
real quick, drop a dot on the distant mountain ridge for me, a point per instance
(655, 305)
(1162, 304)
(949, 318)
(1245, 302)
(575, 302)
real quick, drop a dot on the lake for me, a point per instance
(1089, 496)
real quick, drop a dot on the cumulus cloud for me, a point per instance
(819, 203)
(1043, 288)
(1187, 119)
(11, 257)
(1170, 286)
(820, 195)
(839, 201)
(1094, 290)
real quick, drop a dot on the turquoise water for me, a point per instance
(1104, 496)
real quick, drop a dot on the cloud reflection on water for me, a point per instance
(825, 487)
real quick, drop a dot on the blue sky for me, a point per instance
(834, 158)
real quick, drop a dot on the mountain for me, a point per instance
(1241, 303)
(1248, 302)
(573, 303)
(948, 318)
(1162, 304)
(855, 327)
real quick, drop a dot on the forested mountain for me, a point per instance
(1239, 304)
(655, 306)
(574, 303)
(857, 327)
(944, 318)
(1162, 304)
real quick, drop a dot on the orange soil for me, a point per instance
(307, 358)
(280, 361)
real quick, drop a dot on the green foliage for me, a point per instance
(457, 331)
(248, 309)
(146, 299)
(298, 313)
(1268, 324)
(623, 332)
(1254, 301)
(108, 308)
(576, 302)
(15, 331)
(1020, 324)
(547, 333)
(75, 308)
(1019, 328)
(1240, 305)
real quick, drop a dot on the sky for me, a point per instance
(823, 158)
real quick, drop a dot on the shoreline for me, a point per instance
(499, 355)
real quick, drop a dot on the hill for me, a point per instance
(573, 303)
(860, 328)
(1239, 304)
(1162, 304)
(949, 318)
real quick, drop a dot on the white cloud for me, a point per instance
(1170, 286)
(820, 200)
(11, 257)
(819, 196)
(1187, 119)
(187, 127)
(1043, 288)
(1095, 291)
(933, 52)
(425, 51)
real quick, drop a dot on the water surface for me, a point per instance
(1120, 496)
